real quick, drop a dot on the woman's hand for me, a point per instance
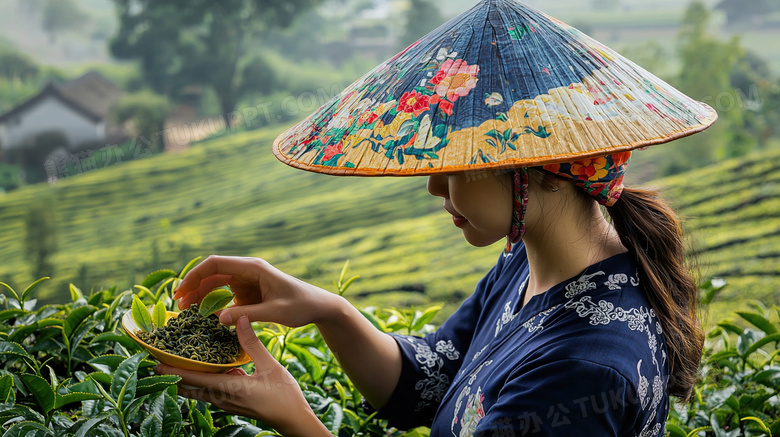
(264, 293)
(261, 292)
(270, 394)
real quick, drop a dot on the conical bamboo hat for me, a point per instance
(500, 86)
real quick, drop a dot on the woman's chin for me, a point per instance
(478, 239)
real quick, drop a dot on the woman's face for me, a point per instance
(480, 205)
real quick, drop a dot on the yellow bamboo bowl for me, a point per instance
(174, 360)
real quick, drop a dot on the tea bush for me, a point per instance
(740, 379)
(68, 369)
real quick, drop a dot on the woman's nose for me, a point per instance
(438, 185)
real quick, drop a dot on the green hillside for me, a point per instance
(230, 196)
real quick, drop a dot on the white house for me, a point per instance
(77, 109)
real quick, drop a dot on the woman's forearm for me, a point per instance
(369, 357)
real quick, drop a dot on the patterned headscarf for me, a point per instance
(601, 177)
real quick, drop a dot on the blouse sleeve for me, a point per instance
(566, 397)
(430, 363)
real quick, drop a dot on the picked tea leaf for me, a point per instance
(141, 314)
(216, 300)
(159, 314)
(196, 337)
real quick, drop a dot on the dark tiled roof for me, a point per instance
(91, 95)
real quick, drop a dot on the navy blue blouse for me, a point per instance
(588, 357)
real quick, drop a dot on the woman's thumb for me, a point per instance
(250, 342)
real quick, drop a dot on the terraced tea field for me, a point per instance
(230, 196)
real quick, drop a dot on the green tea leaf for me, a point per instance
(12, 291)
(309, 361)
(161, 288)
(757, 421)
(379, 324)
(71, 397)
(75, 293)
(426, 317)
(241, 431)
(189, 267)
(91, 424)
(333, 417)
(216, 300)
(155, 383)
(204, 422)
(123, 384)
(143, 291)
(106, 363)
(159, 314)
(22, 332)
(32, 286)
(11, 313)
(6, 385)
(141, 315)
(151, 427)
(24, 428)
(117, 301)
(10, 411)
(155, 277)
(124, 340)
(131, 411)
(76, 316)
(758, 321)
(41, 390)
(166, 410)
(772, 338)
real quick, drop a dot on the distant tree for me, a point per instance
(706, 61)
(422, 17)
(15, 65)
(199, 42)
(705, 74)
(61, 15)
(10, 177)
(41, 237)
(31, 156)
(147, 111)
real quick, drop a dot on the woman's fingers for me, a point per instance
(245, 268)
(205, 287)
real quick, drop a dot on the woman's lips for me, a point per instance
(459, 221)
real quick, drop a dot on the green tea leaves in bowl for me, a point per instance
(191, 335)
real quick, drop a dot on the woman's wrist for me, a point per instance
(334, 309)
(307, 426)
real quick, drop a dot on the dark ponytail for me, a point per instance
(649, 228)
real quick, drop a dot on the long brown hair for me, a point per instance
(649, 228)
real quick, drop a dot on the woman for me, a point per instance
(584, 326)
(579, 328)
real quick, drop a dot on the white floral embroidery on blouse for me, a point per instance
(535, 323)
(637, 319)
(505, 318)
(582, 284)
(465, 392)
(436, 382)
(447, 349)
(615, 281)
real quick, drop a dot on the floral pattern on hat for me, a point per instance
(501, 86)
